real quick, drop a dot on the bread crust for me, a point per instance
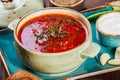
(23, 75)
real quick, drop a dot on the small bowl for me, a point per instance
(58, 63)
(108, 26)
(17, 9)
(76, 6)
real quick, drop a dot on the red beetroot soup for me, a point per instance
(51, 33)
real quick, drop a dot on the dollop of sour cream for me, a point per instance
(109, 23)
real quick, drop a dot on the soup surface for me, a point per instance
(51, 33)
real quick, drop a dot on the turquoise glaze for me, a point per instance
(14, 63)
(89, 13)
(111, 41)
(108, 29)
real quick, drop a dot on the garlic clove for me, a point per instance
(104, 58)
(114, 62)
(117, 53)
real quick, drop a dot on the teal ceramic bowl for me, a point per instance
(108, 26)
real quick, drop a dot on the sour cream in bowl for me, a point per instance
(108, 26)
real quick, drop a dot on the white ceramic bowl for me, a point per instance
(17, 9)
(57, 63)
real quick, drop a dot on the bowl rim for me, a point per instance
(72, 5)
(87, 41)
(107, 34)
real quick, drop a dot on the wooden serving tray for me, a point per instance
(14, 63)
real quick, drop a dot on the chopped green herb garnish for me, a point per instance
(52, 30)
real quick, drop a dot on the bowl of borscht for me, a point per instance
(54, 41)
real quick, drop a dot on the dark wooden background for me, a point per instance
(107, 76)
(3, 73)
(87, 3)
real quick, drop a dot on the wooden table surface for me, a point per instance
(107, 76)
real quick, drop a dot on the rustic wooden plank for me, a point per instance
(3, 72)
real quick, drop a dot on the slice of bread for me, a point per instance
(23, 75)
